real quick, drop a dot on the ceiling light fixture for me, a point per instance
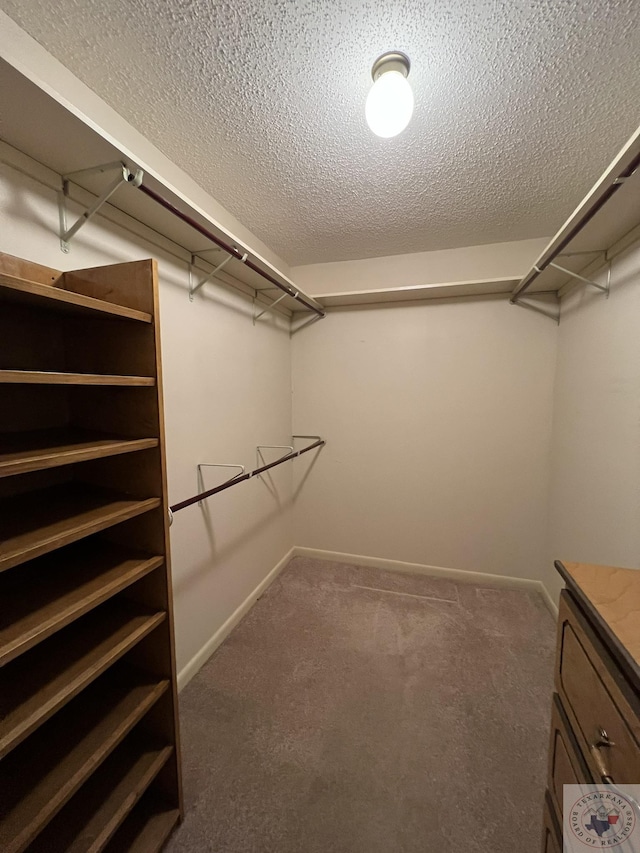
(389, 104)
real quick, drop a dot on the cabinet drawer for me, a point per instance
(551, 837)
(597, 699)
(566, 764)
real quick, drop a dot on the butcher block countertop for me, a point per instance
(611, 596)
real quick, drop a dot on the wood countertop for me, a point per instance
(611, 596)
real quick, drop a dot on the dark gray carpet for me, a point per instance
(355, 710)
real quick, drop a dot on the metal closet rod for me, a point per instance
(232, 250)
(320, 442)
(616, 182)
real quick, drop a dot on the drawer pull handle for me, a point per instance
(595, 748)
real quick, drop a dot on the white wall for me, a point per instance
(492, 260)
(437, 417)
(227, 388)
(595, 484)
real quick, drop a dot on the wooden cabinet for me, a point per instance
(551, 836)
(595, 719)
(566, 765)
(89, 746)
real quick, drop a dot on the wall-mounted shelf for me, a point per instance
(605, 222)
(479, 287)
(88, 698)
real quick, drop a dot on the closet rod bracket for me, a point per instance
(242, 477)
(194, 286)
(202, 465)
(604, 288)
(124, 176)
(552, 311)
(261, 447)
(306, 322)
(266, 310)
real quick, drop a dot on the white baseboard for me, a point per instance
(200, 658)
(549, 600)
(461, 575)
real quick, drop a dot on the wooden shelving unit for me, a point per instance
(89, 746)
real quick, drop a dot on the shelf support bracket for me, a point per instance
(124, 177)
(552, 311)
(216, 465)
(256, 317)
(604, 288)
(194, 286)
(306, 322)
(260, 447)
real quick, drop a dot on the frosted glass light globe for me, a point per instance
(389, 105)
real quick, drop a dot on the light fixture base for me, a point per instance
(393, 60)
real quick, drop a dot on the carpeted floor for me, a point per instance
(355, 710)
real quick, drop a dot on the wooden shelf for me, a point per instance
(39, 449)
(54, 590)
(42, 774)
(35, 523)
(51, 296)
(33, 687)
(147, 827)
(89, 820)
(52, 377)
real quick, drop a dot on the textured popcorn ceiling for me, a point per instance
(520, 105)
